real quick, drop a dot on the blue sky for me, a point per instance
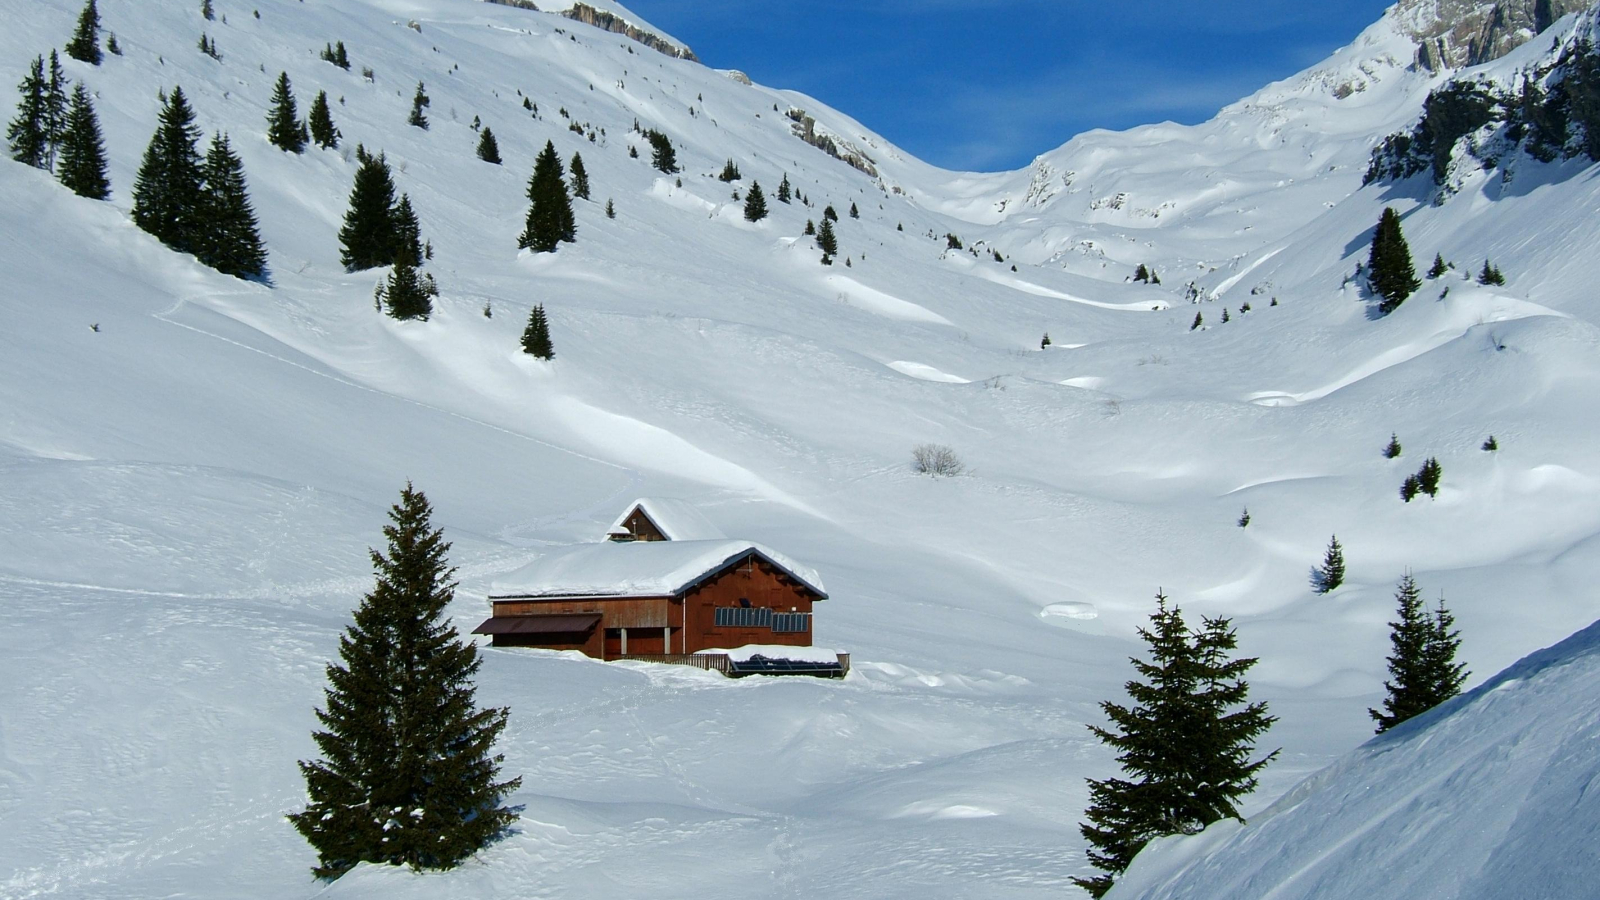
(990, 84)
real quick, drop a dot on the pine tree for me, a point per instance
(1184, 743)
(488, 147)
(580, 177)
(167, 199)
(854, 213)
(1244, 518)
(283, 122)
(1225, 315)
(1409, 488)
(1331, 573)
(55, 109)
(1389, 265)
(1409, 690)
(419, 100)
(206, 11)
(323, 131)
(230, 241)
(1491, 445)
(407, 293)
(29, 133)
(784, 191)
(406, 231)
(367, 238)
(1443, 674)
(1392, 449)
(1141, 274)
(112, 46)
(827, 242)
(85, 43)
(730, 171)
(1044, 341)
(828, 215)
(536, 337)
(811, 228)
(1490, 275)
(1428, 477)
(1439, 267)
(1199, 319)
(611, 211)
(755, 203)
(340, 57)
(408, 774)
(83, 153)
(549, 208)
(662, 156)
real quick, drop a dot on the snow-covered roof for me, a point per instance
(679, 520)
(637, 569)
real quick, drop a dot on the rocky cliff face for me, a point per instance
(588, 15)
(1452, 34)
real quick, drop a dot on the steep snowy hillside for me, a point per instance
(1486, 797)
(195, 465)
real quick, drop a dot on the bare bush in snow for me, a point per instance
(935, 460)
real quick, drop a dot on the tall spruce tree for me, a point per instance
(1331, 573)
(167, 199)
(488, 147)
(407, 293)
(1389, 266)
(1184, 743)
(82, 168)
(55, 108)
(1409, 690)
(419, 100)
(284, 129)
(230, 242)
(323, 131)
(1442, 672)
(755, 203)
(580, 177)
(827, 241)
(85, 43)
(662, 156)
(367, 238)
(407, 232)
(784, 191)
(536, 336)
(550, 218)
(408, 774)
(29, 133)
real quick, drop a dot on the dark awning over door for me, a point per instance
(562, 624)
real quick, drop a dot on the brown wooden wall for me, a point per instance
(692, 617)
(643, 528)
(764, 586)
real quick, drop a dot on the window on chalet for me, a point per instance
(743, 617)
(791, 623)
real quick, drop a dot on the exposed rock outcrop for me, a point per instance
(1453, 34)
(599, 18)
(805, 128)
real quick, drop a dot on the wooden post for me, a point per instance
(624, 642)
(666, 639)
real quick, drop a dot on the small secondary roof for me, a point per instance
(638, 569)
(679, 520)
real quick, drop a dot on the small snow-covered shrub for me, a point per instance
(936, 460)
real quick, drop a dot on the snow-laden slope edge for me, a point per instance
(1489, 797)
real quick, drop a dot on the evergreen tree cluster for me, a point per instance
(730, 171)
(85, 43)
(1184, 743)
(408, 774)
(1389, 266)
(195, 205)
(550, 219)
(1490, 274)
(335, 53)
(378, 229)
(1426, 481)
(39, 130)
(662, 156)
(1422, 669)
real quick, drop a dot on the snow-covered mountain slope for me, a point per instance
(1488, 796)
(191, 484)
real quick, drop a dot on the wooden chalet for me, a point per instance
(665, 583)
